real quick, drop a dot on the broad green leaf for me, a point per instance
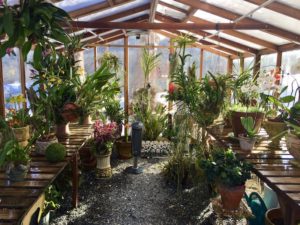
(8, 23)
(37, 56)
(283, 89)
(287, 99)
(25, 49)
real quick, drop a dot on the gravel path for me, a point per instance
(128, 199)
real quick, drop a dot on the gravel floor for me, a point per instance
(127, 199)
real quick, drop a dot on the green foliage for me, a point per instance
(249, 125)
(12, 152)
(154, 121)
(223, 168)
(249, 109)
(114, 111)
(94, 91)
(52, 199)
(295, 129)
(112, 62)
(295, 114)
(148, 62)
(32, 22)
(55, 152)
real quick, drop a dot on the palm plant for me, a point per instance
(149, 62)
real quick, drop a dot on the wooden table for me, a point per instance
(17, 198)
(274, 166)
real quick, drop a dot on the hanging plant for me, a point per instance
(31, 22)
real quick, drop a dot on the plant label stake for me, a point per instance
(137, 128)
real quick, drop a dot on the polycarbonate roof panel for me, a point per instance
(264, 15)
(177, 4)
(170, 12)
(265, 36)
(114, 10)
(292, 3)
(132, 16)
(71, 5)
(210, 17)
(237, 40)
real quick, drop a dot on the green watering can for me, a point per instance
(258, 207)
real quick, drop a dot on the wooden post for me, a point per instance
(171, 52)
(95, 58)
(256, 64)
(22, 77)
(126, 95)
(242, 64)
(75, 180)
(201, 63)
(2, 100)
(229, 65)
(278, 61)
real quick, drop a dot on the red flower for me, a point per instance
(172, 88)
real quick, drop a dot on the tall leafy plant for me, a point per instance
(149, 61)
(32, 22)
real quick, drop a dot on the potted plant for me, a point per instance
(248, 140)
(16, 160)
(293, 140)
(51, 203)
(101, 144)
(277, 114)
(92, 92)
(18, 119)
(229, 174)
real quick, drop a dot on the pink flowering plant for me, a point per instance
(104, 137)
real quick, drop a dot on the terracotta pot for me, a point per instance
(246, 144)
(103, 169)
(237, 124)
(62, 130)
(231, 196)
(274, 217)
(17, 173)
(41, 146)
(124, 149)
(87, 159)
(87, 120)
(274, 128)
(293, 145)
(70, 112)
(22, 135)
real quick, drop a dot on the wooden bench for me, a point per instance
(18, 199)
(273, 166)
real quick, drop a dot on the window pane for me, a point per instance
(236, 66)
(28, 68)
(249, 64)
(195, 57)
(268, 62)
(11, 75)
(214, 63)
(88, 58)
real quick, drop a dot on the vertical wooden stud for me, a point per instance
(2, 100)
(126, 94)
(229, 65)
(171, 52)
(242, 64)
(256, 64)
(201, 63)
(278, 61)
(95, 58)
(22, 77)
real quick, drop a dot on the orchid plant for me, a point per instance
(104, 137)
(17, 115)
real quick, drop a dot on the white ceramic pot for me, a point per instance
(246, 143)
(293, 145)
(41, 146)
(103, 168)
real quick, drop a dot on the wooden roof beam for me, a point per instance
(153, 8)
(190, 13)
(173, 7)
(95, 8)
(215, 38)
(232, 16)
(233, 33)
(280, 8)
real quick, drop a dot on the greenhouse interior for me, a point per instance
(149, 112)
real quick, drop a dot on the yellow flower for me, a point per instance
(20, 99)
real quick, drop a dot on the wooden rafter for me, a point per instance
(233, 33)
(190, 13)
(111, 3)
(232, 16)
(280, 8)
(215, 38)
(153, 8)
(95, 8)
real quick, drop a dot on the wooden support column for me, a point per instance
(171, 52)
(22, 77)
(229, 65)
(242, 64)
(278, 61)
(2, 100)
(95, 58)
(256, 64)
(201, 63)
(126, 94)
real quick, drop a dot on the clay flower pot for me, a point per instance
(246, 143)
(231, 196)
(237, 126)
(41, 145)
(293, 145)
(17, 173)
(22, 135)
(86, 120)
(124, 149)
(70, 112)
(274, 128)
(274, 217)
(62, 130)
